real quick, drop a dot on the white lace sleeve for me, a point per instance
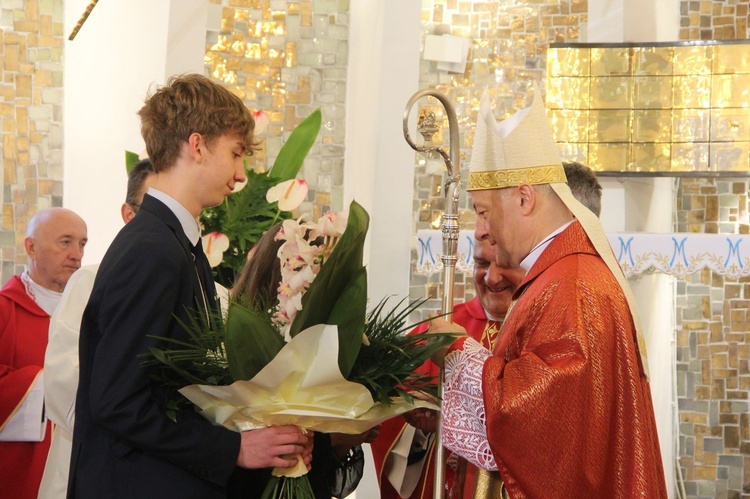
(464, 428)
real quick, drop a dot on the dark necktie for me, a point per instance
(206, 279)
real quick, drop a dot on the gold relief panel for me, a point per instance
(227, 19)
(728, 125)
(568, 93)
(730, 156)
(257, 68)
(689, 157)
(569, 125)
(693, 60)
(610, 125)
(653, 61)
(609, 157)
(306, 14)
(692, 91)
(568, 62)
(734, 58)
(241, 15)
(730, 90)
(652, 92)
(614, 92)
(652, 125)
(254, 51)
(690, 125)
(610, 61)
(575, 152)
(290, 56)
(651, 157)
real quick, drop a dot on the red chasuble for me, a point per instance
(23, 339)
(568, 408)
(460, 474)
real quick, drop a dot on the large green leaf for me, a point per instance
(131, 159)
(295, 149)
(349, 315)
(251, 342)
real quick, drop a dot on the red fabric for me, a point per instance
(23, 340)
(471, 316)
(569, 412)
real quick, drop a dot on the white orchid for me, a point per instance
(261, 121)
(214, 246)
(331, 224)
(301, 261)
(289, 194)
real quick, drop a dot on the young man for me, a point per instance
(154, 277)
(54, 242)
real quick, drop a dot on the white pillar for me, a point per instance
(123, 49)
(383, 73)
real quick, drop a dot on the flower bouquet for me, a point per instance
(313, 356)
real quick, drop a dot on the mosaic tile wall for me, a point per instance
(31, 41)
(289, 57)
(713, 358)
(713, 19)
(713, 313)
(509, 40)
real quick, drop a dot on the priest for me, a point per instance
(565, 406)
(54, 243)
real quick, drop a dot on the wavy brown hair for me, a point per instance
(190, 104)
(257, 282)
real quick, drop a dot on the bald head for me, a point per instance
(54, 243)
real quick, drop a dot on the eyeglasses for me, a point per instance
(135, 206)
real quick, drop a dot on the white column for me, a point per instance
(383, 73)
(123, 50)
(605, 23)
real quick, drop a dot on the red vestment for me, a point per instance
(23, 339)
(459, 476)
(568, 408)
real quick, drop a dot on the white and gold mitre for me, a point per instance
(519, 150)
(522, 150)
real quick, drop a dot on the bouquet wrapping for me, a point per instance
(316, 358)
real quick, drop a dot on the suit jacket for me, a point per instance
(124, 445)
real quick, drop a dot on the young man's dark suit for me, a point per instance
(122, 435)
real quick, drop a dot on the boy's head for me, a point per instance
(140, 178)
(190, 104)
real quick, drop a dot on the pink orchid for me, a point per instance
(301, 261)
(291, 228)
(289, 194)
(261, 121)
(214, 246)
(332, 224)
(301, 280)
